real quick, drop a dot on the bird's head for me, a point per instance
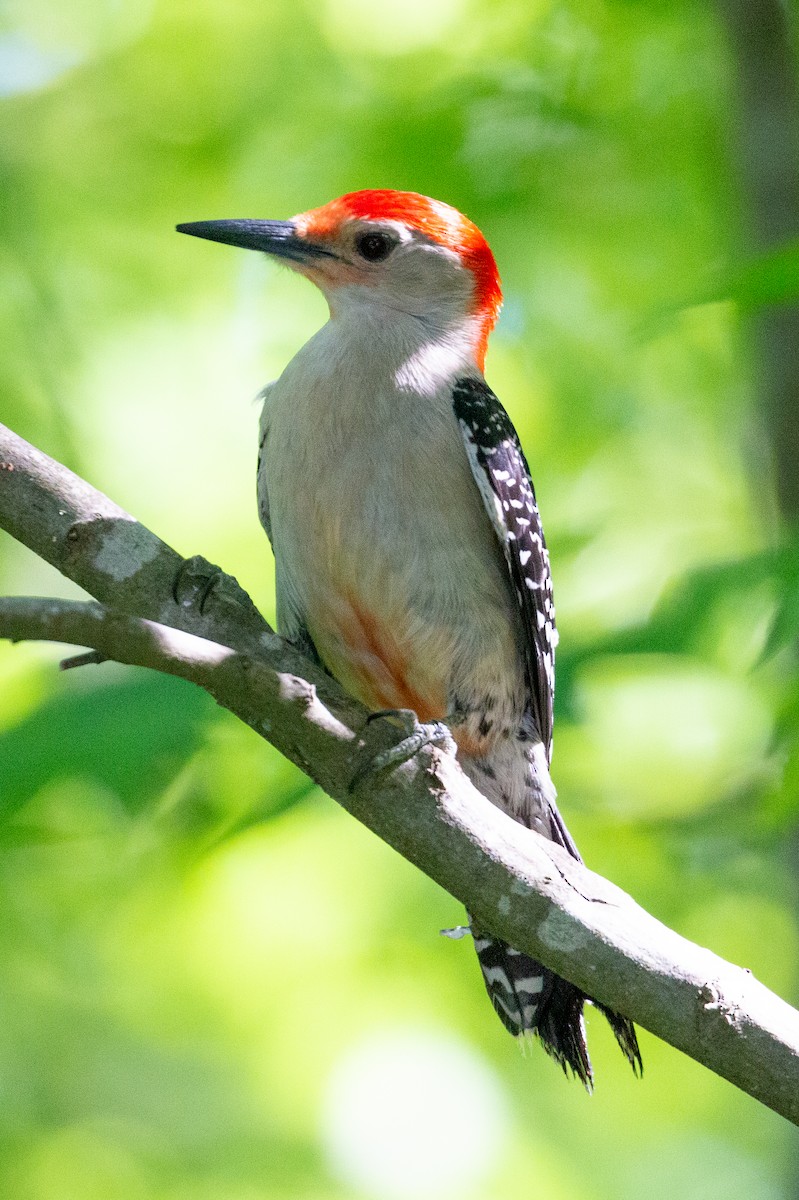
(398, 251)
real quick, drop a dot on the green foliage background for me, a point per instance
(196, 946)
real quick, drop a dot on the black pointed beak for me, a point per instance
(279, 238)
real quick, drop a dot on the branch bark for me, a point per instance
(517, 884)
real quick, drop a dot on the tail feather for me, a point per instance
(624, 1033)
(561, 1029)
(530, 999)
(527, 996)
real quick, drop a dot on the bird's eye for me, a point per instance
(374, 247)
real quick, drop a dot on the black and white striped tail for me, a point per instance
(530, 999)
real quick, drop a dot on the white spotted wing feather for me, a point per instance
(503, 477)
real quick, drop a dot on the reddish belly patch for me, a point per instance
(371, 658)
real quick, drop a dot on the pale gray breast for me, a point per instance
(370, 485)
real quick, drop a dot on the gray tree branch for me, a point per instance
(517, 884)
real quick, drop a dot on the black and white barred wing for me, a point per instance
(503, 477)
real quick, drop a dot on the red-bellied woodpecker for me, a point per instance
(408, 547)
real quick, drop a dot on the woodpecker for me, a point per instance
(410, 557)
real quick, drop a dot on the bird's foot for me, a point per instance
(197, 579)
(194, 581)
(457, 932)
(417, 736)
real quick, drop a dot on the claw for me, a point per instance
(199, 578)
(434, 733)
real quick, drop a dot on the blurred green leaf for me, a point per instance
(769, 279)
(772, 278)
(131, 736)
